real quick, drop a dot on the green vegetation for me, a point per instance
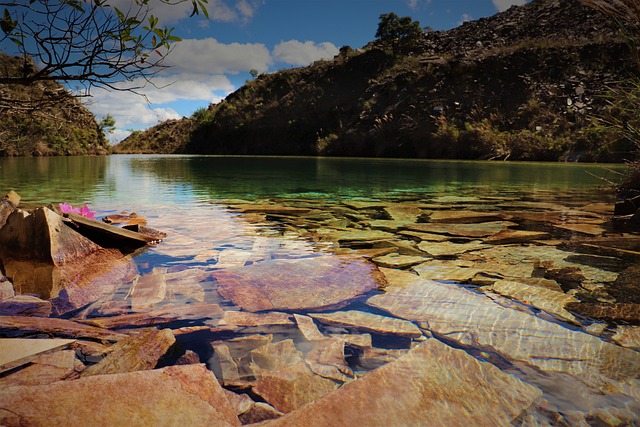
(397, 32)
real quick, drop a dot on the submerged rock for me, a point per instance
(368, 322)
(18, 351)
(25, 305)
(46, 369)
(317, 284)
(544, 299)
(144, 398)
(140, 351)
(471, 319)
(432, 384)
(284, 380)
(607, 311)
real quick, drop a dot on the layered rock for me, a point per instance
(432, 384)
(316, 284)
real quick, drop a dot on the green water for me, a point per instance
(142, 182)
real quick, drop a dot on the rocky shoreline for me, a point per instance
(456, 310)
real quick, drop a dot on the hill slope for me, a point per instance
(526, 84)
(44, 119)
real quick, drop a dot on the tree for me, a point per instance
(396, 31)
(107, 124)
(90, 42)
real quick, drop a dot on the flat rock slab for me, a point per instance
(308, 328)
(450, 249)
(369, 322)
(607, 311)
(166, 314)
(284, 380)
(464, 217)
(244, 319)
(433, 384)
(484, 229)
(590, 229)
(474, 320)
(140, 351)
(398, 261)
(544, 299)
(15, 352)
(627, 336)
(57, 327)
(25, 305)
(45, 369)
(515, 236)
(317, 284)
(144, 398)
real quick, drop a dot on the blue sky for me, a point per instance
(216, 55)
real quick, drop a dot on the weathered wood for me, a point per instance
(19, 325)
(109, 236)
(7, 205)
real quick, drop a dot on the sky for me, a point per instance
(216, 55)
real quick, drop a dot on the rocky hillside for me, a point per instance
(526, 84)
(44, 119)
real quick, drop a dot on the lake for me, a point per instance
(334, 277)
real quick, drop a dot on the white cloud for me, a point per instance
(300, 54)
(133, 111)
(465, 18)
(503, 5)
(208, 56)
(414, 4)
(177, 10)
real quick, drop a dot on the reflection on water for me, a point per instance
(274, 243)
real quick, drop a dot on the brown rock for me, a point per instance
(627, 336)
(138, 352)
(148, 290)
(145, 398)
(225, 368)
(188, 358)
(17, 351)
(308, 328)
(319, 283)
(260, 411)
(464, 217)
(626, 288)
(6, 288)
(515, 236)
(284, 380)
(368, 322)
(465, 230)
(450, 249)
(432, 382)
(327, 360)
(607, 311)
(56, 327)
(46, 369)
(395, 260)
(242, 318)
(25, 305)
(166, 314)
(292, 387)
(372, 358)
(7, 205)
(544, 299)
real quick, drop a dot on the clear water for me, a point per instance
(188, 197)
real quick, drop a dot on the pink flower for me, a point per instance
(66, 208)
(87, 213)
